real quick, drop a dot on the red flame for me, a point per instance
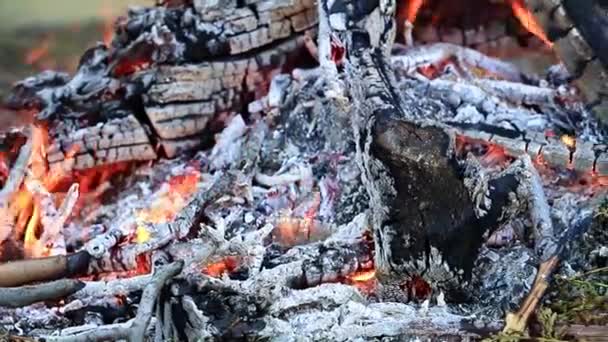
(128, 66)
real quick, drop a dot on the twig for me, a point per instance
(540, 212)
(517, 322)
(17, 173)
(13, 182)
(22, 296)
(134, 330)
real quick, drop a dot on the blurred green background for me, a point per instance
(51, 34)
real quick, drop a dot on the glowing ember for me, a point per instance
(364, 280)
(142, 234)
(171, 198)
(337, 50)
(489, 154)
(225, 266)
(418, 288)
(292, 231)
(526, 18)
(363, 275)
(568, 141)
(128, 67)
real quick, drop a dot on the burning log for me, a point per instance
(14, 180)
(26, 295)
(412, 58)
(133, 95)
(52, 219)
(22, 272)
(438, 179)
(578, 32)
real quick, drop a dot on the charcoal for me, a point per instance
(355, 200)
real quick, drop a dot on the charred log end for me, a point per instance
(432, 209)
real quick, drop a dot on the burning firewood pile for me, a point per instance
(308, 170)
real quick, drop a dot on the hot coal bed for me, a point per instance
(295, 171)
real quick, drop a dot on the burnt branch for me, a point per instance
(26, 295)
(134, 329)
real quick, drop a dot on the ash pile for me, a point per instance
(283, 171)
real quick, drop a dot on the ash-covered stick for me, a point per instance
(540, 212)
(24, 272)
(52, 219)
(413, 58)
(134, 330)
(324, 39)
(17, 173)
(517, 92)
(198, 327)
(13, 182)
(148, 299)
(15, 297)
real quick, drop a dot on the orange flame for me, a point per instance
(108, 22)
(55, 181)
(171, 199)
(363, 275)
(527, 19)
(364, 280)
(39, 52)
(411, 9)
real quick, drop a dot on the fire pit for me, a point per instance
(303, 170)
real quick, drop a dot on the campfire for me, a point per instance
(308, 170)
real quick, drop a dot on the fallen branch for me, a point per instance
(15, 297)
(133, 330)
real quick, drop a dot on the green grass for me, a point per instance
(20, 13)
(68, 27)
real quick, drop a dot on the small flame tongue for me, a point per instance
(527, 19)
(172, 198)
(108, 22)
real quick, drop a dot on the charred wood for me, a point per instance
(135, 329)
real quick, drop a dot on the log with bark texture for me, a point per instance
(579, 31)
(213, 59)
(424, 220)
